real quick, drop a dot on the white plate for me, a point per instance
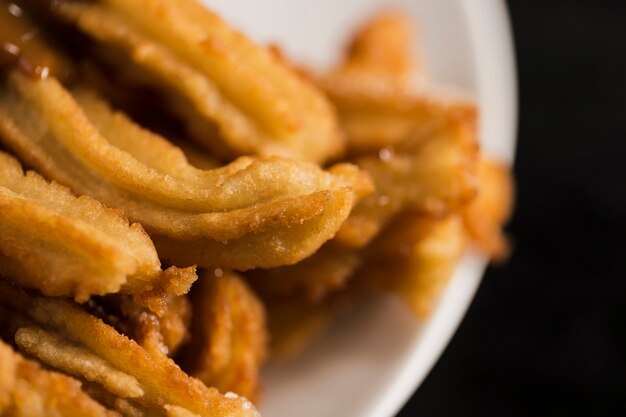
(368, 364)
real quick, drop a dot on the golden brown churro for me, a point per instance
(100, 99)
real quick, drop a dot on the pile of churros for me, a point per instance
(179, 205)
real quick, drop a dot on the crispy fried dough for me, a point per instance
(51, 325)
(488, 212)
(295, 237)
(294, 323)
(413, 256)
(237, 97)
(428, 169)
(419, 267)
(162, 329)
(376, 112)
(326, 271)
(8, 368)
(436, 178)
(73, 246)
(77, 361)
(113, 355)
(418, 144)
(229, 335)
(250, 213)
(27, 390)
(383, 45)
(378, 103)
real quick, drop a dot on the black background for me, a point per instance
(546, 334)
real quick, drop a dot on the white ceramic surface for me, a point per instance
(369, 363)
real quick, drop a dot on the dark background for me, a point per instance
(546, 334)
